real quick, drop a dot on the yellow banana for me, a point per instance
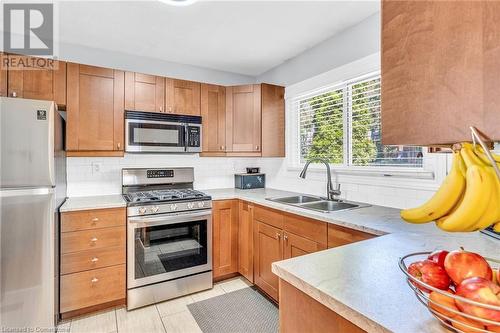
(496, 227)
(443, 200)
(479, 187)
(492, 212)
(495, 156)
(484, 158)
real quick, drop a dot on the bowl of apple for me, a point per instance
(461, 289)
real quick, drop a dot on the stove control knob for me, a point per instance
(155, 209)
(173, 207)
(191, 205)
(142, 210)
(201, 204)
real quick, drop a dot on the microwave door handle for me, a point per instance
(170, 219)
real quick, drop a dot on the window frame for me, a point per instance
(293, 138)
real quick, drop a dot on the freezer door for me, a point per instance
(26, 143)
(27, 248)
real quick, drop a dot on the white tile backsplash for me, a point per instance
(85, 179)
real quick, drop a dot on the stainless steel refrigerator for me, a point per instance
(32, 188)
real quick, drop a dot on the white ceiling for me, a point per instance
(246, 37)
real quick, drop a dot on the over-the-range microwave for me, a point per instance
(151, 132)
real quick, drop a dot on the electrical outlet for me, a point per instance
(96, 167)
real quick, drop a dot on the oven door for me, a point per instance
(154, 136)
(168, 246)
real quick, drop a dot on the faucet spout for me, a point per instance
(330, 192)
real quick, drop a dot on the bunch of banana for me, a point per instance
(469, 198)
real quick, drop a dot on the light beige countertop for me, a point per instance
(93, 202)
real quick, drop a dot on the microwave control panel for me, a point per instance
(194, 136)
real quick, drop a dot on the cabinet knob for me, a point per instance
(256, 147)
(161, 108)
(14, 94)
(221, 147)
(278, 235)
(118, 145)
(93, 239)
(95, 259)
(95, 219)
(94, 280)
(285, 237)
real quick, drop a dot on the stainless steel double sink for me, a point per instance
(317, 203)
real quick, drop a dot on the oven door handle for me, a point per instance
(170, 218)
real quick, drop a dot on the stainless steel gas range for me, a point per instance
(169, 235)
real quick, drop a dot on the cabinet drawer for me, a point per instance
(92, 219)
(269, 216)
(92, 239)
(307, 228)
(92, 259)
(338, 236)
(84, 289)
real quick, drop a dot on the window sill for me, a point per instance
(410, 173)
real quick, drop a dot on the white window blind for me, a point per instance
(342, 124)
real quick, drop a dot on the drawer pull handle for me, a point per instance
(285, 237)
(95, 219)
(94, 280)
(278, 235)
(95, 259)
(93, 239)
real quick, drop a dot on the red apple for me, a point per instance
(495, 329)
(459, 320)
(480, 290)
(441, 303)
(438, 257)
(431, 273)
(461, 265)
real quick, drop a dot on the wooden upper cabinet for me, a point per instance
(273, 121)
(225, 237)
(440, 71)
(182, 97)
(37, 78)
(245, 240)
(213, 113)
(95, 109)
(144, 92)
(243, 118)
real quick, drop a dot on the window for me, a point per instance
(342, 125)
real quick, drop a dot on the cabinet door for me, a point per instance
(273, 121)
(245, 240)
(338, 236)
(3, 76)
(213, 111)
(297, 246)
(440, 71)
(182, 97)
(243, 118)
(37, 78)
(144, 92)
(268, 248)
(95, 108)
(225, 237)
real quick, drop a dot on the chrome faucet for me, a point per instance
(330, 192)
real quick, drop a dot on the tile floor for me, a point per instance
(171, 316)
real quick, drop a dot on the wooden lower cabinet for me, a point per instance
(295, 246)
(245, 240)
(299, 313)
(225, 237)
(93, 260)
(88, 288)
(338, 236)
(268, 248)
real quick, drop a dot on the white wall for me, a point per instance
(353, 43)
